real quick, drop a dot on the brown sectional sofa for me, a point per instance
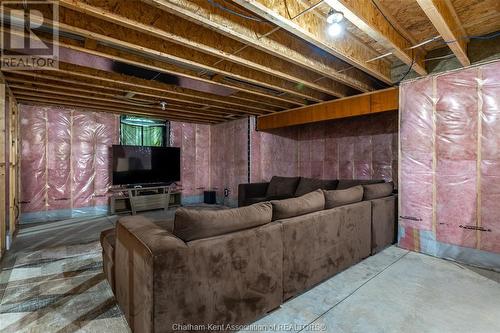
(262, 255)
(290, 187)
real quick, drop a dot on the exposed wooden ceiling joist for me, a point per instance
(254, 35)
(89, 107)
(82, 102)
(118, 107)
(138, 98)
(126, 84)
(133, 54)
(445, 20)
(314, 30)
(119, 103)
(365, 15)
(136, 16)
(180, 60)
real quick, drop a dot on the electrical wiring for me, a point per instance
(442, 57)
(495, 35)
(409, 69)
(389, 21)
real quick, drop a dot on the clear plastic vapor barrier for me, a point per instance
(450, 165)
(65, 162)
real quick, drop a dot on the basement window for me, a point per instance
(136, 131)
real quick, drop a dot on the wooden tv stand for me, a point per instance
(133, 200)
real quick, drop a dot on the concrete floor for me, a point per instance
(52, 281)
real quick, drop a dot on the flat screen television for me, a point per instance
(133, 165)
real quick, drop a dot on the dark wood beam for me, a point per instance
(368, 103)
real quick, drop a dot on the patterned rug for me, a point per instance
(60, 289)
(53, 281)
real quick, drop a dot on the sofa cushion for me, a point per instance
(318, 245)
(108, 244)
(190, 224)
(337, 198)
(375, 191)
(346, 183)
(307, 185)
(251, 201)
(108, 239)
(282, 187)
(308, 203)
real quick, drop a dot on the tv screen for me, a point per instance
(145, 165)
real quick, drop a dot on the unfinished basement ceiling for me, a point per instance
(219, 60)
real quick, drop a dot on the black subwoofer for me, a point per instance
(209, 197)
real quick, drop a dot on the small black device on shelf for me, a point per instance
(209, 197)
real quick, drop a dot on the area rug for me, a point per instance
(60, 289)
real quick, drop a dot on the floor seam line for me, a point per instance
(354, 291)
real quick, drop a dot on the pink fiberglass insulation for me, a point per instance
(59, 163)
(106, 135)
(272, 153)
(194, 141)
(416, 139)
(450, 164)
(65, 158)
(490, 157)
(33, 158)
(229, 159)
(352, 148)
(361, 147)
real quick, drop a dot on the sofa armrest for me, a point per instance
(252, 190)
(161, 281)
(384, 222)
(139, 242)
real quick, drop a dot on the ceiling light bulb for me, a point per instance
(334, 29)
(334, 16)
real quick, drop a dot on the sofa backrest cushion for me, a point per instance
(307, 185)
(337, 198)
(308, 203)
(282, 187)
(375, 191)
(321, 244)
(346, 183)
(190, 224)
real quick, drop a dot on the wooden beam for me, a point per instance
(117, 101)
(3, 160)
(119, 108)
(89, 77)
(134, 16)
(14, 170)
(97, 108)
(124, 45)
(368, 103)
(280, 44)
(314, 30)
(442, 15)
(145, 57)
(31, 84)
(365, 15)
